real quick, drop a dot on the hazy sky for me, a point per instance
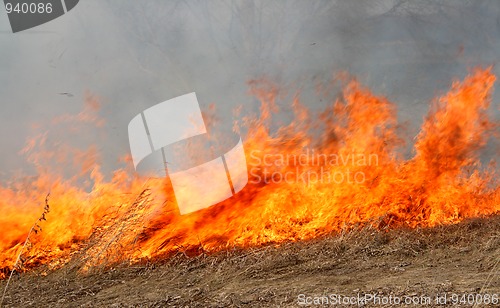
(134, 54)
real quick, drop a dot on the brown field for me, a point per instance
(455, 259)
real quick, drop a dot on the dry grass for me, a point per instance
(19, 263)
(446, 259)
(116, 236)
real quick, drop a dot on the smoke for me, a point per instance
(134, 54)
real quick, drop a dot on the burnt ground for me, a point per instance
(422, 263)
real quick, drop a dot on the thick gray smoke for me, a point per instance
(134, 54)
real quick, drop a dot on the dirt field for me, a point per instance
(405, 264)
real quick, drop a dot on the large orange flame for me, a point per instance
(308, 179)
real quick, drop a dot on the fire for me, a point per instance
(307, 179)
